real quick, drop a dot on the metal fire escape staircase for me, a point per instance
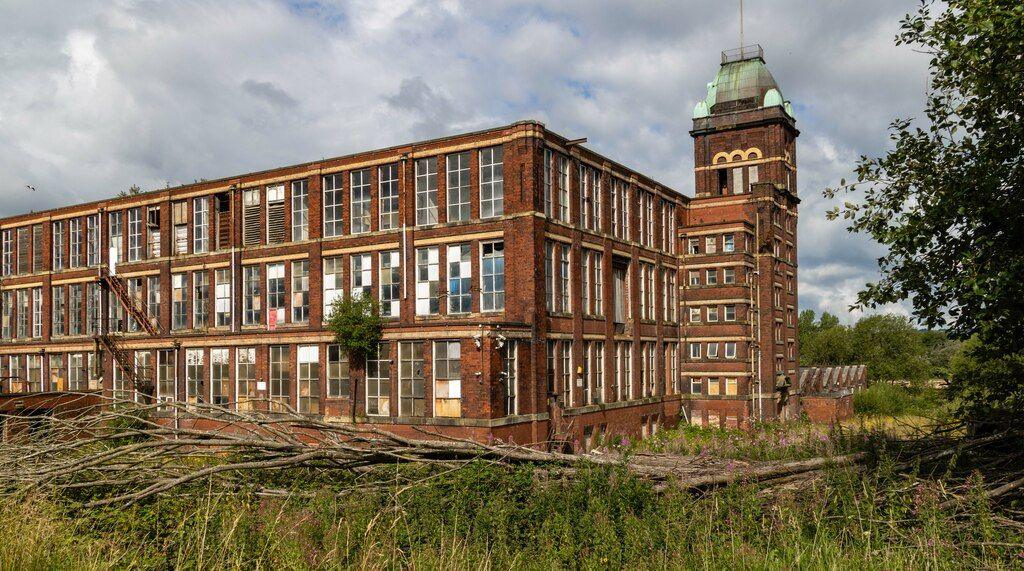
(123, 359)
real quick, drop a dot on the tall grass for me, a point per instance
(886, 399)
(486, 516)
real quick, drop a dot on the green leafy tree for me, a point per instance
(357, 325)
(947, 199)
(891, 348)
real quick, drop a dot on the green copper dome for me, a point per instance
(743, 83)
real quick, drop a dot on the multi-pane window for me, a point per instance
(492, 276)
(711, 277)
(549, 183)
(276, 293)
(362, 275)
(37, 312)
(458, 186)
(334, 288)
(57, 307)
(360, 188)
(179, 216)
(165, 376)
(624, 371)
(220, 376)
(649, 226)
(115, 228)
(390, 283)
(447, 378)
(75, 243)
(300, 211)
(729, 313)
(93, 239)
(153, 227)
(245, 378)
(201, 300)
(616, 208)
(427, 281)
(300, 291)
(93, 301)
(76, 372)
(378, 382)
(492, 182)
(222, 304)
(460, 268)
(57, 237)
(597, 260)
(511, 378)
(669, 300)
(179, 301)
(620, 275)
(712, 314)
(23, 314)
(201, 225)
(712, 350)
(194, 374)
(731, 386)
(7, 262)
(564, 279)
(728, 243)
(565, 358)
(728, 275)
(7, 311)
(143, 367)
(426, 191)
(550, 298)
(275, 215)
(695, 350)
(411, 386)
(730, 349)
(279, 377)
(387, 181)
(153, 299)
(58, 375)
(34, 376)
(252, 309)
(75, 309)
(251, 217)
(696, 386)
(308, 382)
(338, 372)
(115, 313)
(134, 235)
(645, 370)
(563, 188)
(711, 244)
(333, 213)
(586, 200)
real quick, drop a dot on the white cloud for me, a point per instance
(101, 95)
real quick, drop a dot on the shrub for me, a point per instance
(886, 399)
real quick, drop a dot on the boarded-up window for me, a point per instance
(251, 217)
(223, 221)
(23, 250)
(37, 248)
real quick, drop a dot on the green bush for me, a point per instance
(886, 399)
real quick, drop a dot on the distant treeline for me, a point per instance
(891, 347)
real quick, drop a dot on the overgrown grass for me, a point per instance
(765, 441)
(486, 516)
(886, 399)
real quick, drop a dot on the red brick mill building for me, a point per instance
(533, 289)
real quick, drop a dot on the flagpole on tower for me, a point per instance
(741, 24)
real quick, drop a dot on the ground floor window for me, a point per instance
(280, 378)
(76, 372)
(35, 373)
(511, 378)
(245, 378)
(411, 393)
(378, 381)
(58, 375)
(447, 378)
(309, 379)
(165, 376)
(220, 376)
(194, 374)
(338, 373)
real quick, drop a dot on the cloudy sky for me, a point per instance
(98, 95)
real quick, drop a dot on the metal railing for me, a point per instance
(753, 51)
